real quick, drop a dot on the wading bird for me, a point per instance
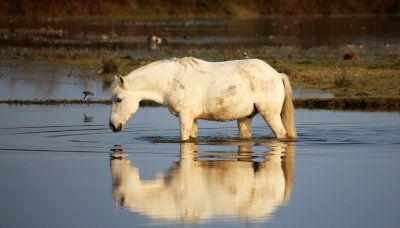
(87, 93)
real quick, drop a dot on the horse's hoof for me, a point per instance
(118, 155)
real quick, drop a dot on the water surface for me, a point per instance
(30, 80)
(303, 31)
(56, 170)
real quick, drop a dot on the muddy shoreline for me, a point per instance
(339, 103)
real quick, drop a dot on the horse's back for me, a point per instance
(199, 71)
(229, 90)
(250, 77)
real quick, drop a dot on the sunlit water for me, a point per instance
(30, 80)
(56, 171)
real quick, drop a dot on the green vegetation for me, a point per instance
(344, 78)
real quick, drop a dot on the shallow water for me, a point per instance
(56, 170)
(29, 80)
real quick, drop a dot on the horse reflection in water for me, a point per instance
(196, 189)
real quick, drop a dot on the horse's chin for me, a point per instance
(116, 130)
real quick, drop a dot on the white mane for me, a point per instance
(189, 62)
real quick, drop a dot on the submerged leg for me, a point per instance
(273, 119)
(244, 126)
(193, 131)
(186, 126)
(275, 123)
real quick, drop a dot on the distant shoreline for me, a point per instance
(339, 103)
(122, 9)
(5, 19)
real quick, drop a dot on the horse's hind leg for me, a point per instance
(244, 126)
(273, 119)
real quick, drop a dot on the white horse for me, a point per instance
(220, 91)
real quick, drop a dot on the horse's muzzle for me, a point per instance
(115, 128)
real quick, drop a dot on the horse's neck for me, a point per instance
(151, 96)
(152, 84)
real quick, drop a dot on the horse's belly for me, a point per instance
(221, 110)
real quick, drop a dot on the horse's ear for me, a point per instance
(121, 80)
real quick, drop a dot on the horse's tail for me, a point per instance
(287, 114)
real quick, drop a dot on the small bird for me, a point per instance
(246, 56)
(154, 42)
(87, 93)
(153, 39)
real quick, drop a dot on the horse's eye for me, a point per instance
(119, 100)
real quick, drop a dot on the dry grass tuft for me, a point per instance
(350, 56)
(342, 81)
(110, 65)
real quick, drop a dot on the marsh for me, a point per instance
(61, 166)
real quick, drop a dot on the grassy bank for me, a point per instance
(359, 103)
(344, 78)
(372, 74)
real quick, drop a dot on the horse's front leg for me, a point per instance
(186, 123)
(193, 131)
(244, 126)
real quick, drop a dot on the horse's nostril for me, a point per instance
(114, 128)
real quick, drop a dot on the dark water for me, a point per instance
(303, 31)
(56, 171)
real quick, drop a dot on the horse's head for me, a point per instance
(124, 104)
